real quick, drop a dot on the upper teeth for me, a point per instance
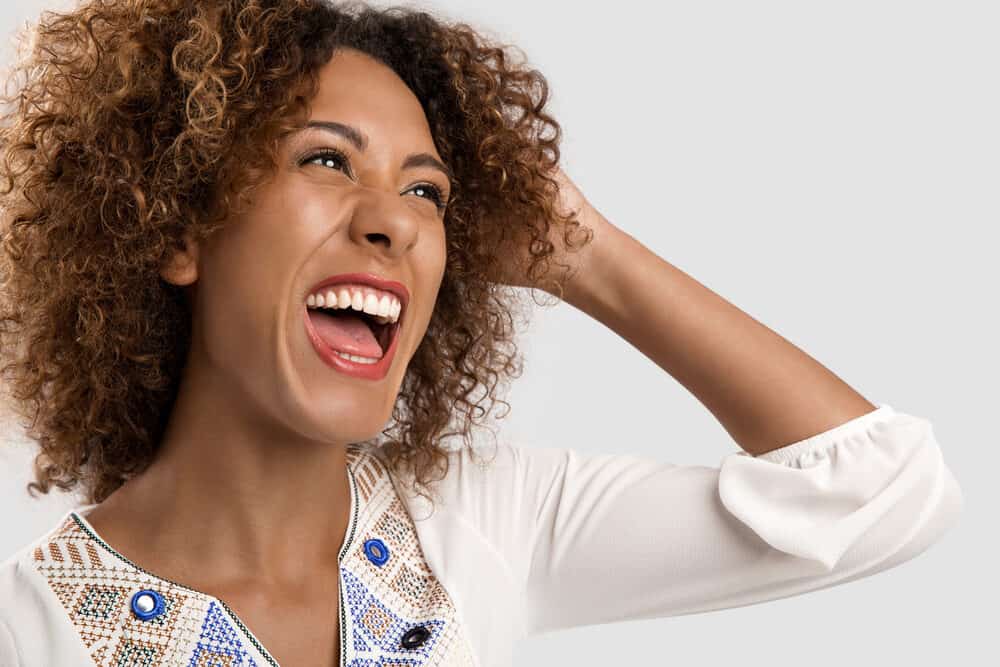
(384, 305)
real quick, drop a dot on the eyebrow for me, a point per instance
(360, 141)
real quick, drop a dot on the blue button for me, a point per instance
(147, 604)
(376, 551)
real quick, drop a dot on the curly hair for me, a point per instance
(135, 122)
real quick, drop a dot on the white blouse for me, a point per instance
(538, 539)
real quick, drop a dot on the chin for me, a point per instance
(348, 430)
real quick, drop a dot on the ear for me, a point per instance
(182, 267)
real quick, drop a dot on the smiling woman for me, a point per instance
(242, 235)
(255, 259)
(139, 132)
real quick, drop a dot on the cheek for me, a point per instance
(440, 257)
(431, 267)
(437, 267)
(245, 277)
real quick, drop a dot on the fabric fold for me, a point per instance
(817, 497)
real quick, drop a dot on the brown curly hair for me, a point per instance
(135, 122)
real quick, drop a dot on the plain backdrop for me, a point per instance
(829, 168)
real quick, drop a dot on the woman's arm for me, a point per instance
(764, 390)
(828, 489)
(593, 538)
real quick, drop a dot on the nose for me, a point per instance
(384, 222)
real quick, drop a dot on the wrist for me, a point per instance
(589, 285)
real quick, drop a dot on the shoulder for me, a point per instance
(34, 626)
(16, 570)
(15, 594)
(19, 599)
(516, 476)
(493, 489)
(483, 472)
(507, 462)
(18, 582)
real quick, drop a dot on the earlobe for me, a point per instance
(182, 267)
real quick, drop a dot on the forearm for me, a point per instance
(765, 391)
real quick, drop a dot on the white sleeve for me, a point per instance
(8, 650)
(612, 537)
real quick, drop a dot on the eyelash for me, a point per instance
(332, 153)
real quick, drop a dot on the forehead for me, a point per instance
(355, 88)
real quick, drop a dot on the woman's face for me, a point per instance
(322, 216)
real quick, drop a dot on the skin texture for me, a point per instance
(260, 424)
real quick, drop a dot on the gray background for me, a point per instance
(831, 169)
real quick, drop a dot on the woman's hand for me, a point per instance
(512, 270)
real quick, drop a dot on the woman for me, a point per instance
(242, 236)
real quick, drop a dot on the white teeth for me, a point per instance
(355, 358)
(371, 304)
(384, 308)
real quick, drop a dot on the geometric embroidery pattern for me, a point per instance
(380, 604)
(219, 643)
(95, 585)
(386, 601)
(379, 631)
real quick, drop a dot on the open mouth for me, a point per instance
(353, 320)
(344, 324)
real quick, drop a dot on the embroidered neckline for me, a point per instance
(354, 454)
(385, 605)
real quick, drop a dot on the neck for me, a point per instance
(251, 499)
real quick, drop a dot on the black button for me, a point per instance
(414, 637)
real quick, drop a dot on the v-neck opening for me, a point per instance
(85, 525)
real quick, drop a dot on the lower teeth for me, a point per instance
(356, 358)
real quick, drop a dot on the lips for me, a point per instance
(330, 357)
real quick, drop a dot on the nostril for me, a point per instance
(376, 237)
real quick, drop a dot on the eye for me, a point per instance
(331, 157)
(435, 191)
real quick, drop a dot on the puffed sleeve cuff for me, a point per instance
(803, 452)
(817, 497)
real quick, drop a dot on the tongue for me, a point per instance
(345, 332)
